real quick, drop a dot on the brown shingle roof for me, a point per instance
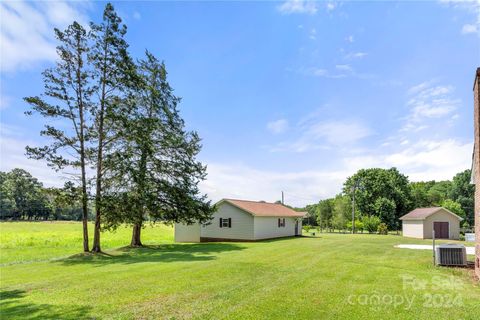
(264, 209)
(423, 213)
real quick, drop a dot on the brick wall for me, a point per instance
(476, 93)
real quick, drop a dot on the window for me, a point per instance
(225, 222)
(281, 222)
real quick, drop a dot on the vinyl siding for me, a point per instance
(242, 224)
(454, 224)
(267, 227)
(412, 228)
(187, 233)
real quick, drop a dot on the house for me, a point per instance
(420, 223)
(243, 220)
(476, 166)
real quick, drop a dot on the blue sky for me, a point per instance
(292, 96)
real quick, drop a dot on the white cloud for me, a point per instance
(12, 155)
(355, 55)
(278, 126)
(314, 134)
(429, 101)
(338, 133)
(313, 34)
(330, 6)
(26, 30)
(350, 39)
(469, 28)
(245, 182)
(471, 7)
(340, 71)
(420, 161)
(344, 67)
(298, 6)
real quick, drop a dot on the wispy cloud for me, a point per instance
(350, 39)
(470, 6)
(278, 126)
(355, 55)
(469, 28)
(344, 67)
(26, 30)
(245, 182)
(338, 72)
(330, 6)
(314, 134)
(421, 160)
(12, 151)
(298, 6)
(427, 101)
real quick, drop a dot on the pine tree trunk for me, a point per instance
(101, 136)
(98, 195)
(137, 229)
(84, 193)
(82, 159)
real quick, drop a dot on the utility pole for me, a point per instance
(282, 198)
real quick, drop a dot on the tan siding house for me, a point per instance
(241, 224)
(242, 220)
(267, 227)
(421, 222)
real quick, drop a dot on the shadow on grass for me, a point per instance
(154, 253)
(12, 306)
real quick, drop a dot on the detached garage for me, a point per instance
(420, 223)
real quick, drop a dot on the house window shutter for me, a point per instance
(279, 222)
(229, 222)
(220, 222)
(284, 222)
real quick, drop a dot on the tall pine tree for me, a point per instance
(109, 58)
(155, 173)
(67, 99)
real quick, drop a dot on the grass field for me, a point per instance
(332, 276)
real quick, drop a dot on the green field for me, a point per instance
(332, 276)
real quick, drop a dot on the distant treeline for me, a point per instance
(387, 195)
(23, 197)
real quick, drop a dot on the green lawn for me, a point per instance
(332, 276)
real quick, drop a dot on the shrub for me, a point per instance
(359, 225)
(307, 228)
(370, 223)
(382, 228)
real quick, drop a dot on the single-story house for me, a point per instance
(243, 220)
(420, 223)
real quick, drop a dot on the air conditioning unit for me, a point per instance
(451, 255)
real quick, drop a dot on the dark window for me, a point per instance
(281, 222)
(225, 222)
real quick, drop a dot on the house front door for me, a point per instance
(441, 230)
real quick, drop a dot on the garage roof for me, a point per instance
(264, 209)
(423, 213)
